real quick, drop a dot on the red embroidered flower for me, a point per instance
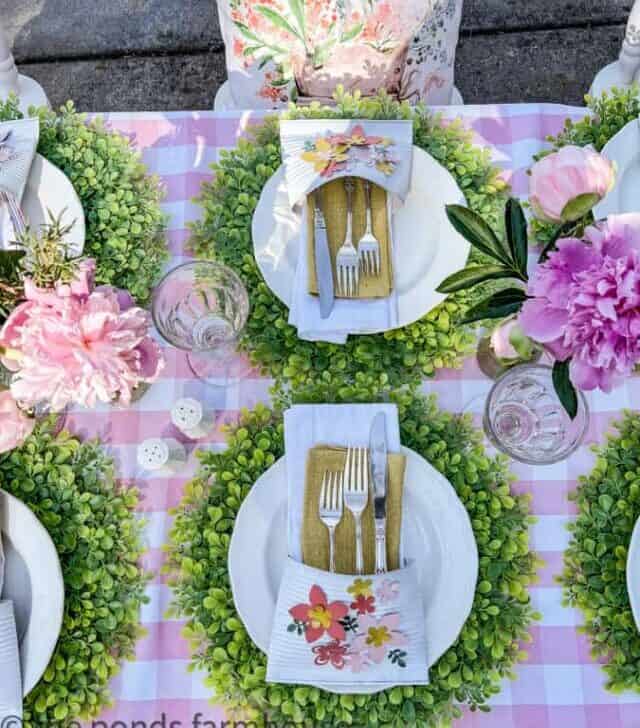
(332, 652)
(319, 616)
(363, 604)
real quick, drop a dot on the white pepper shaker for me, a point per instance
(163, 456)
(190, 418)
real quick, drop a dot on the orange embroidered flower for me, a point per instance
(320, 616)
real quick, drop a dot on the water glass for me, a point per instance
(524, 418)
(201, 307)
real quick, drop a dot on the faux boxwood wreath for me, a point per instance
(610, 112)
(469, 673)
(401, 356)
(71, 488)
(124, 221)
(594, 576)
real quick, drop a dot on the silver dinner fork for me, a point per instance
(347, 263)
(330, 509)
(356, 494)
(369, 247)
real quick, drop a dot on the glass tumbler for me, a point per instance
(524, 418)
(201, 307)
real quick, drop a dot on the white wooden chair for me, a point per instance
(626, 70)
(28, 91)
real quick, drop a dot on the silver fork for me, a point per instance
(331, 509)
(347, 263)
(369, 247)
(356, 494)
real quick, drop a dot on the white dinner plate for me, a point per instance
(427, 249)
(33, 581)
(49, 188)
(436, 533)
(624, 150)
(633, 573)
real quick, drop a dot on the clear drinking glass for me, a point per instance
(201, 307)
(524, 418)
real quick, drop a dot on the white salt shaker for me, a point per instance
(161, 456)
(190, 418)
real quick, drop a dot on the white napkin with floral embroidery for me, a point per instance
(18, 144)
(10, 677)
(354, 631)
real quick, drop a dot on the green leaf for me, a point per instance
(278, 21)
(516, 225)
(9, 260)
(474, 229)
(564, 387)
(580, 206)
(469, 277)
(500, 305)
(247, 33)
(297, 8)
(558, 232)
(352, 33)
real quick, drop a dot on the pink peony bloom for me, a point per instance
(565, 185)
(15, 426)
(76, 345)
(501, 340)
(586, 303)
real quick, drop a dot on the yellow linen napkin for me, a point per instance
(334, 206)
(315, 536)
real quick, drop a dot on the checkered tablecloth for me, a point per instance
(559, 686)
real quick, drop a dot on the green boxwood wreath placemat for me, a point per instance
(124, 221)
(468, 673)
(594, 577)
(71, 488)
(401, 356)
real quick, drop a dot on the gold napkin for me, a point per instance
(315, 536)
(334, 206)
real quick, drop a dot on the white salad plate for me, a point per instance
(48, 188)
(633, 573)
(427, 249)
(33, 582)
(624, 150)
(436, 533)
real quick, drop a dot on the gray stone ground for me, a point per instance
(168, 54)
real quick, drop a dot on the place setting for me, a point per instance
(337, 232)
(369, 564)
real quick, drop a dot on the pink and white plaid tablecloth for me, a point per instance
(559, 686)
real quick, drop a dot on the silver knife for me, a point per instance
(378, 459)
(324, 272)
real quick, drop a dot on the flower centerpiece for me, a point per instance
(68, 341)
(582, 300)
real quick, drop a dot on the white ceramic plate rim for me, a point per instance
(633, 573)
(449, 608)
(54, 191)
(32, 541)
(275, 238)
(623, 149)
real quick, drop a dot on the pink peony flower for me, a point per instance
(586, 303)
(15, 426)
(565, 185)
(78, 345)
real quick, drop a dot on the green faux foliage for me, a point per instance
(610, 112)
(71, 488)
(124, 221)
(594, 576)
(402, 356)
(471, 670)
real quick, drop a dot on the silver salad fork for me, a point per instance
(356, 494)
(347, 264)
(369, 247)
(331, 509)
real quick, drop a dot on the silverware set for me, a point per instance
(348, 490)
(351, 260)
